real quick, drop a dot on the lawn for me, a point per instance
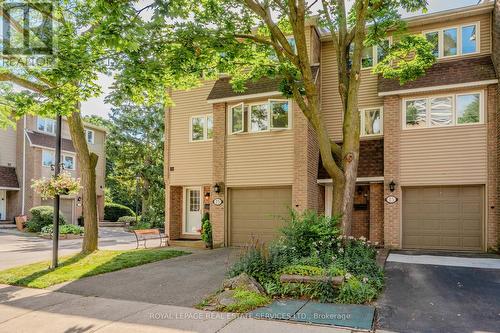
(38, 275)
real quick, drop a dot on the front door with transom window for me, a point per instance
(192, 210)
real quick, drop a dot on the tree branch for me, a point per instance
(9, 77)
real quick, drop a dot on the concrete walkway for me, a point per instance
(33, 310)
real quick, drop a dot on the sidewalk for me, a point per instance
(35, 310)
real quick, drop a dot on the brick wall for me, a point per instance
(492, 191)
(305, 190)
(361, 213)
(377, 213)
(173, 211)
(219, 173)
(392, 132)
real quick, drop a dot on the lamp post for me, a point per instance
(137, 179)
(57, 170)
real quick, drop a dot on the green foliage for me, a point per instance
(42, 216)
(113, 211)
(141, 225)
(311, 246)
(129, 219)
(354, 291)
(64, 229)
(246, 300)
(206, 230)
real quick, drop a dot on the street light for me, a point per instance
(137, 179)
(57, 170)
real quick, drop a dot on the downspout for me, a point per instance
(24, 165)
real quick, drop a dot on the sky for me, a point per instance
(96, 106)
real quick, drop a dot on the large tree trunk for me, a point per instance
(87, 162)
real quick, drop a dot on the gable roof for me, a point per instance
(222, 88)
(445, 73)
(8, 178)
(49, 141)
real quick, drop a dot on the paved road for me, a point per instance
(439, 297)
(41, 311)
(18, 248)
(181, 281)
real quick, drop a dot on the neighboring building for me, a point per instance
(28, 152)
(435, 139)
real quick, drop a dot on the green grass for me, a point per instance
(247, 300)
(38, 275)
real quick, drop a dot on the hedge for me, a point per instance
(42, 216)
(113, 211)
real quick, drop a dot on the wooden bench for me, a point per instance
(143, 235)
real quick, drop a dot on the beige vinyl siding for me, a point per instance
(192, 161)
(330, 98)
(8, 151)
(442, 156)
(260, 158)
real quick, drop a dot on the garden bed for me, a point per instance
(62, 237)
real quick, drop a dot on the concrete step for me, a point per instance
(7, 224)
(112, 224)
(199, 244)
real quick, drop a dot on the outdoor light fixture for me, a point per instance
(207, 195)
(217, 188)
(79, 199)
(392, 186)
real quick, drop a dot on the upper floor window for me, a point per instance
(454, 41)
(89, 136)
(371, 121)
(372, 55)
(49, 160)
(46, 125)
(445, 110)
(273, 114)
(202, 127)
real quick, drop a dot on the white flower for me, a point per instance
(348, 276)
(365, 279)
(341, 250)
(362, 238)
(350, 237)
(376, 243)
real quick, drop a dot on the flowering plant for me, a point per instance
(63, 184)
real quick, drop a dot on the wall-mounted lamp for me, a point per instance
(392, 186)
(79, 199)
(207, 195)
(217, 188)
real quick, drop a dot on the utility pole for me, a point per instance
(57, 170)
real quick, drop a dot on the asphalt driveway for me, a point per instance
(181, 281)
(432, 297)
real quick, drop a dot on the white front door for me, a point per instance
(192, 210)
(3, 204)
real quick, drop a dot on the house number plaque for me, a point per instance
(218, 201)
(391, 199)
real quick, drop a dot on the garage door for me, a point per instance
(257, 213)
(443, 217)
(65, 207)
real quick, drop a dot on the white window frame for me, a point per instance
(40, 119)
(454, 110)
(63, 156)
(205, 132)
(375, 54)
(361, 111)
(230, 118)
(250, 117)
(269, 101)
(440, 32)
(87, 136)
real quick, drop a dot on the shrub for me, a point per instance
(113, 211)
(247, 300)
(42, 216)
(141, 225)
(206, 230)
(253, 262)
(303, 270)
(64, 229)
(354, 291)
(154, 217)
(129, 219)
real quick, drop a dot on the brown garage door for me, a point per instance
(257, 213)
(443, 217)
(65, 207)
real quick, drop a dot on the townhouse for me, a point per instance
(28, 152)
(427, 175)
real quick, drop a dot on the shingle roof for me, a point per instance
(8, 177)
(446, 73)
(223, 89)
(49, 141)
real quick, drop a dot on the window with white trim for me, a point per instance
(446, 110)
(49, 160)
(201, 128)
(372, 55)
(260, 117)
(454, 41)
(46, 125)
(89, 136)
(371, 121)
(69, 162)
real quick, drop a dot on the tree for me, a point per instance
(57, 84)
(249, 39)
